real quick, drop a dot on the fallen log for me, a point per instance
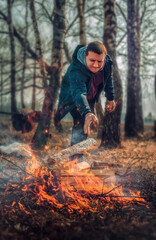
(66, 153)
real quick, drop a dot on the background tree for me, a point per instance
(1, 82)
(81, 7)
(42, 132)
(155, 99)
(134, 117)
(111, 121)
(13, 61)
(24, 55)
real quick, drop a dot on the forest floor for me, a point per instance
(90, 215)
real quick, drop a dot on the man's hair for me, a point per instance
(96, 47)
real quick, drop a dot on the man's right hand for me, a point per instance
(89, 118)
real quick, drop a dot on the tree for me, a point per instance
(38, 44)
(80, 7)
(134, 117)
(155, 100)
(111, 122)
(42, 132)
(1, 84)
(34, 89)
(24, 55)
(12, 51)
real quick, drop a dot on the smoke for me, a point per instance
(17, 148)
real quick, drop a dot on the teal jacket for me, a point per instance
(76, 84)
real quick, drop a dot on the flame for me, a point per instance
(78, 191)
(23, 209)
(73, 189)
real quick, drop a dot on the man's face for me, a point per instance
(95, 61)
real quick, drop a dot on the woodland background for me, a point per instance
(37, 41)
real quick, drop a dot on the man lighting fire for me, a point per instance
(89, 73)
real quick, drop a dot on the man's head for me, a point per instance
(95, 56)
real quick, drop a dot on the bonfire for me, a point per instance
(39, 187)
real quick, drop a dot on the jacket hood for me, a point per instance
(80, 63)
(81, 55)
(74, 56)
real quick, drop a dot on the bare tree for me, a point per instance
(39, 51)
(12, 52)
(111, 122)
(24, 55)
(1, 83)
(134, 117)
(80, 7)
(34, 89)
(155, 100)
(41, 136)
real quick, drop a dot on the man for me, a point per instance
(89, 73)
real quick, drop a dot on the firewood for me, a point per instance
(66, 153)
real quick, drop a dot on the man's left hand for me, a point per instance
(111, 106)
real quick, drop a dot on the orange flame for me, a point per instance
(23, 209)
(76, 190)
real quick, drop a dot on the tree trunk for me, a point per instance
(24, 55)
(80, 7)
(13, 64)
(66, 51)
(111, 122)
(100, 115)
(42, 132)
(38, 42)
(34, 89)
(1, 84)
(155, 99)
(134, 119)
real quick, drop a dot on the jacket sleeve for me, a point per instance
(78, 91)
(109, 88)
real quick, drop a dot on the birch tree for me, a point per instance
(134, 117)
(24, 55)
(1, 83)
(111, 122)
(155, 100)
(42, 132)
(80, 7)
(12, 53)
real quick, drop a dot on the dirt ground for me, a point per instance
(133, 164)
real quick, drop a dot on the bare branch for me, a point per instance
(122, 13)
(4, 32)
(46, 12)
(19, 89)
(121, 39)
(143, 13)
(21, 39)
